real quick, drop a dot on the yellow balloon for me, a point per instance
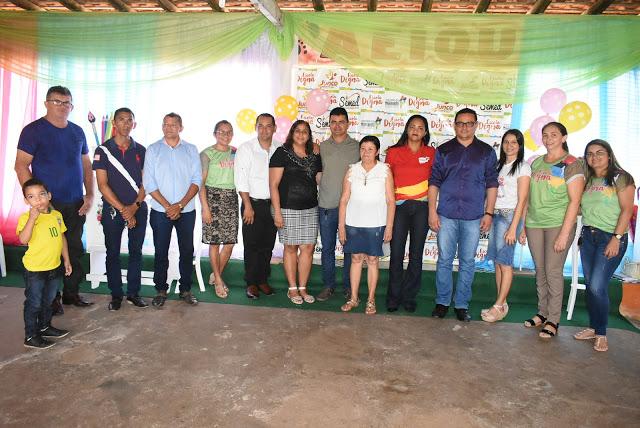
(286, 106)
(528, 141)
(246, 120)
(575, 115)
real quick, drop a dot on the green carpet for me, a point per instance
(522, 298)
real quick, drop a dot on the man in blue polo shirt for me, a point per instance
(54, 150)
(118, 164)
(465, 178)
(172, 176)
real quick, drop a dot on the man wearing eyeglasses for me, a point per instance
(465, 179)
(54, 150)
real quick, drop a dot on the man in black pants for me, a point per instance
(57, 152)
(251, 172)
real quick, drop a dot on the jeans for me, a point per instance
(328, 232)
(113, 228)
(162, 227)
(258, 239)
(75, 225)
(464, 236)
(498, 250)
(598, 271)
(40, 290)
(411, 219)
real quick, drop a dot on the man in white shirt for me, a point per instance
(251, 174)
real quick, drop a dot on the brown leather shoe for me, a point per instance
(266, 289)
(252, 292)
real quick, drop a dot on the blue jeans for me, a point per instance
(113, 228)
(598, 271)
(498, 250)
(463, 236)
(40, 290)
(162, 228)
(411, 219)
(328, 231)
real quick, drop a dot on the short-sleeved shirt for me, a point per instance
(411, 171)
(508, 185)
(548, 197)
(367, 205)
(45, 245)
(57, 157)
(600, 205)
(336, 158)
(132, 159)
(219, 167)
(298, 189)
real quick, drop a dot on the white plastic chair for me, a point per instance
(575, 256)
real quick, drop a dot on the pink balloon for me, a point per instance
(318, 102)
(283, 124)
(536, 128)
(553, 100)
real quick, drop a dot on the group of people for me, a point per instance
(338, 188)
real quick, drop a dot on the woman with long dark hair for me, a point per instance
(557, 182)
(410, 160)
(514, 175)
(294, 173)
(607, 206)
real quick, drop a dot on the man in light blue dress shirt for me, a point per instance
(172, 176)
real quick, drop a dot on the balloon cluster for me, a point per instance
(575, 116)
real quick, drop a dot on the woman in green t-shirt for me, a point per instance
(219, 203)
(557, 182)
(607, 206)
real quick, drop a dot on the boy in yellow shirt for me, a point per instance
(42, 228)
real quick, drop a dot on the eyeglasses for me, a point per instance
(598, 154)
(465, 124)
(59, 103)
(225, 133)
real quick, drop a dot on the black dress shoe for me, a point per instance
(440, 311)
(463, 314)
(76, 300)
(253, 292)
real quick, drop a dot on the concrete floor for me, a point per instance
(240, 366)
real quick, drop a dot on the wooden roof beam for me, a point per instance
(372, 5)
(169, 6)
(598, 7)
(318, 5)
(482, 6)
(27, 5)
(74, 6)
(215, 6)
(539, 7)
(426, 6)
(121, 6)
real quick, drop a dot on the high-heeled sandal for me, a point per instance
(545, 333)
(495, 313)
(349, 305)
(532, 323)
(296, 300)
(307, 297)
(370, 309)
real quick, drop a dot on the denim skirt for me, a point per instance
(364, 240)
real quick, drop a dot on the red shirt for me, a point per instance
(411, 171)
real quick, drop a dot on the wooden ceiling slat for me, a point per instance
(27, 5)
(482, 6)
(426, 6)
(318, 5)
(169, 6)
(74, 6)
(215, 6)
(598, 7)
(121, 6)
(372, 5)
(539, 7)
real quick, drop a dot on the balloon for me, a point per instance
(553, 100)
(283, 124)
(318, 102)
(528, 142)
(536, 128)
(246, 120)
(575, 116)
(286, 106)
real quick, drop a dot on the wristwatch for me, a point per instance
(181, 206)
(617, 235)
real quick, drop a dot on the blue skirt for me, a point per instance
(364, 240)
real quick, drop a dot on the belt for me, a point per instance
(260, 200)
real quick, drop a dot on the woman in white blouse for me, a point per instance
(367, 207)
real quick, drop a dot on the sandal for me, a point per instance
(545, 333)
(495, 313)
(349, 305)
(531, 322)
(296, 300)
(484, 311)
(221, 291)
(586, 334)
(601, 344)
(212, 281)
(370, 309)
(307, 297)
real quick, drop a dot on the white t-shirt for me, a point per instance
(508, 185)
(367, 205)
